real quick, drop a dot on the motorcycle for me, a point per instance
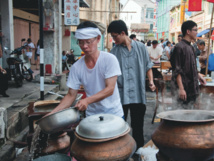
(19, 67)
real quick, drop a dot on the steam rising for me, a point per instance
(170, 103)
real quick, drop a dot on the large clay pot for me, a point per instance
(119, 149)
(186, 139)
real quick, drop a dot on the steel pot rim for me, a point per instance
(163, 115)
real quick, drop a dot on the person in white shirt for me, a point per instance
(166, 52)
(161, 43)
(29, 48)
(155, 52)
(97, 71)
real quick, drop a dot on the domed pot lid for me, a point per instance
(102, 126)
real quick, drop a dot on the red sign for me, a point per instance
(195, 5)
(212, 1)
(163, 33)
(212, 35)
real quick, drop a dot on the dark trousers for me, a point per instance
(156, 73)
(3, 83)
(137, 112)
(64, 66)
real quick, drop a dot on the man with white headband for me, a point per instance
(97, 71)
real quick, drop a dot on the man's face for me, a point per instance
(118, 38)
(154, 45)
(179, 38)
(193, 33)
(89, 45)
(201, 47)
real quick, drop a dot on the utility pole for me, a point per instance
(41, 49)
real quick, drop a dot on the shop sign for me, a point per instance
(71, 10)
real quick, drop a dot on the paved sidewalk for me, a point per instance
(16, 114)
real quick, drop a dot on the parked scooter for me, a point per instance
(19, 67)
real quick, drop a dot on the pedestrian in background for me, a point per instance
(133, 37)
(164, 43)
(161, 43)
(184, 71)
(149, 45)
(135, 64)
(180, 37)
(166, 52)
(155, 52)
(203, 57)
(29, 49)
(64, 58)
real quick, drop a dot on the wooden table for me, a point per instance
(208, 88)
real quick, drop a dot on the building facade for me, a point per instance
(163, 17)
(138, 13)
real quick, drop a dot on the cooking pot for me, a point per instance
(103, 137)
(54, 157)
(186, 135)
(59, 121)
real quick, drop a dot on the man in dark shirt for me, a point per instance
(184, 71)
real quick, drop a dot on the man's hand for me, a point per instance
(82, 105)
(152, 86)
(202, 80)
(182, 94)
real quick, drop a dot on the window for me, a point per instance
(150, 13)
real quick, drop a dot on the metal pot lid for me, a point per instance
(102, 126)
(187, 115)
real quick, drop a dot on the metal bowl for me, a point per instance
(102, 126)
(59, 121)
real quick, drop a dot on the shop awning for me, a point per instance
(203, 32)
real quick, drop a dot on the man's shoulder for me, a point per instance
(79, 63)
(139, 44)
(107, 56)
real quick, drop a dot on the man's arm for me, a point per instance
(66, 101)
(106, 92)
(158, 57)
(182, 92)
(167, 54)
(151, 82)
(201, 79)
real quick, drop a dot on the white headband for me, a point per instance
(87, 33)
